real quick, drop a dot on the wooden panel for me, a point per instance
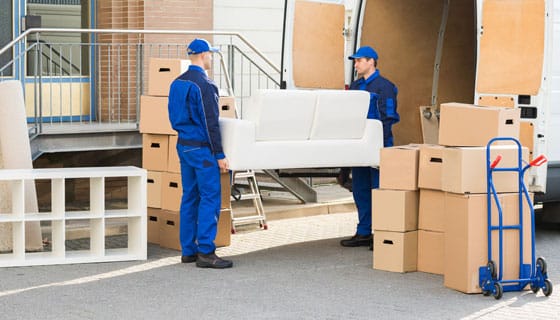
(405, 42)
(457, 71)
(495, 101)
(511, 47)
(318, 47)
(526, 137)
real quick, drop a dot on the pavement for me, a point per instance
(294, 270)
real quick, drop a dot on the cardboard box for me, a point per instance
(161, 72)
(398, 168)
(464, 169)
(469, 125)
(430, 162)
(227, 107)
(170, 226)
(431, 212)
(223, 234)
(169, 230)
(173, 164)
(394, 210)
(395, 251)
(430, 251)
(154, 152)
(171, 192)
(226, 190)
(466, 239)
(154, 189)
(154, 116)
(154, 220)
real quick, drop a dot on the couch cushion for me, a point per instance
(340, 114)
(281, 114)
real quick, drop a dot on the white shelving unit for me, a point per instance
(97, 216)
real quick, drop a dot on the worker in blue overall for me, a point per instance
(193, 113)
(382, 106)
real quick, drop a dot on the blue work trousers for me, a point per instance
(363, 180)
(201, 201)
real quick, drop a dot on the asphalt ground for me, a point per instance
(294, 270)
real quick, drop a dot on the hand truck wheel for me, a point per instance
(542, 264)
(547, 289)
(492, 268)
(498, 291)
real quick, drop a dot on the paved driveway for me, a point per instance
(294, 270)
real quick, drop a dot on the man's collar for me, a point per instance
(373, 76)
(196, 68)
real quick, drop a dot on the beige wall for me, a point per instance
(59, 99)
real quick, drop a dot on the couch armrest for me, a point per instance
(238, 141)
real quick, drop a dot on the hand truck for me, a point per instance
(534, 274)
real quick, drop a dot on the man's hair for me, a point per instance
(374, 61)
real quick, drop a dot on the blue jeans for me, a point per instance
(363, 180)
(201, 200)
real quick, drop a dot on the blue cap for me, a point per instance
(199, 46)
(364, 52)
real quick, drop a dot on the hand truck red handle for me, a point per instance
(538, 161)
(496, 161)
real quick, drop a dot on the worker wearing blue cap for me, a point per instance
(382, 106)
(193, 113)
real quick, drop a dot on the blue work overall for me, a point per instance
(382, 106)
(193, 112)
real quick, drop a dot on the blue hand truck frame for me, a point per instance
(535, 274)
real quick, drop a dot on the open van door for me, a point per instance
(313, 44)
(511, 69)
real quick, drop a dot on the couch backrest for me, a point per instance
(340, 114)
(307, 114)
(281, 114)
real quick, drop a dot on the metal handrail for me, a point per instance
(135, 31)
(235, 48)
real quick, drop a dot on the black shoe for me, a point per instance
(357, 241)
(211, 260)
(188, 259)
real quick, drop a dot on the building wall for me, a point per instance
(260, 21)
(116, 78)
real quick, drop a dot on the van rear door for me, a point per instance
(511, 69)
(313, 49)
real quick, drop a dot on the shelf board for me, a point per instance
(81, 215)
(41, 256)
(122, 213)
(42, 216)
(10, 217)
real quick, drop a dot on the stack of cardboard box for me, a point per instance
(431, 210)
(395, 210)
(159, 157)
(430, 213)
(465, 131)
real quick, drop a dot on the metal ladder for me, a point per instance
(254, 195)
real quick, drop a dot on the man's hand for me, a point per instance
(223, 164)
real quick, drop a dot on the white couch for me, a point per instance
(283, 129)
